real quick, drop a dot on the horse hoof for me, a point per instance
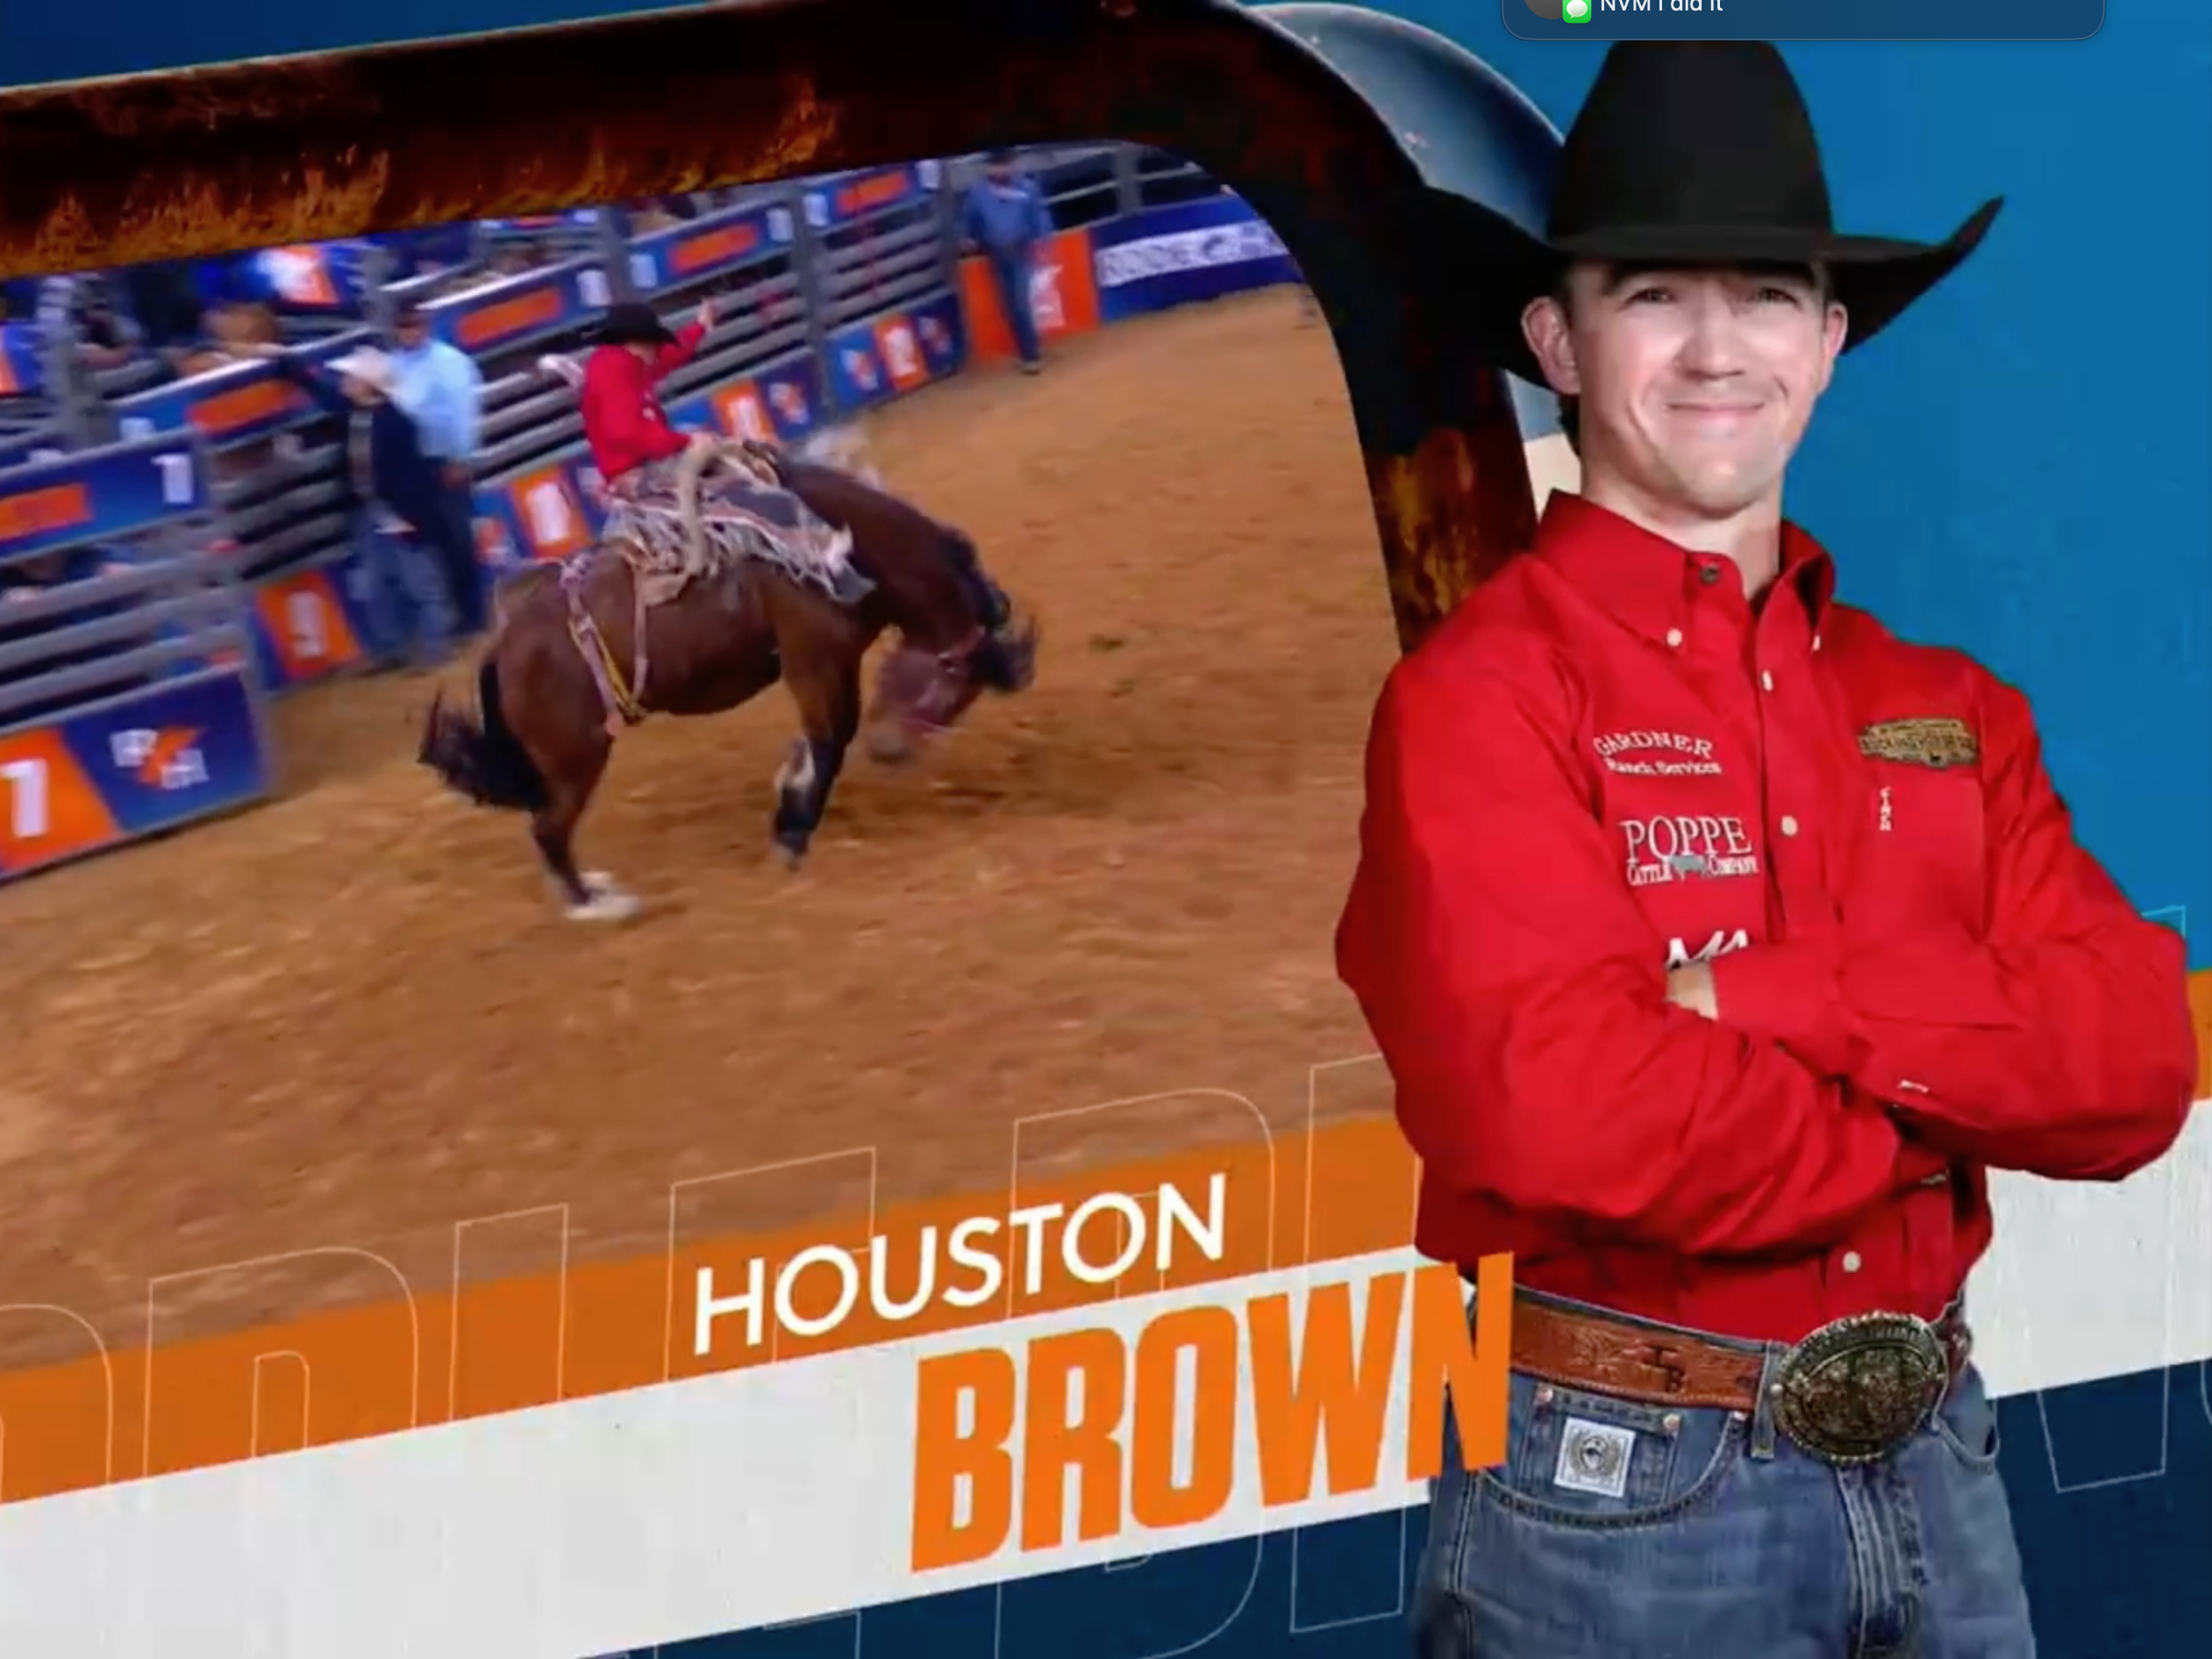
(603, 907)
(888, 746)
(608, 903)
(792, 858)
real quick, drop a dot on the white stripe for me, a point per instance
(782, 1492)
(2088, 1280)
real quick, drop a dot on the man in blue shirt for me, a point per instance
(1006, 219)
(440, 389)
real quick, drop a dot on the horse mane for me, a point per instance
(954, 547)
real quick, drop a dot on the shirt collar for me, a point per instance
(1651, 584)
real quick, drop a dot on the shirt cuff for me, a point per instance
(1791, 993)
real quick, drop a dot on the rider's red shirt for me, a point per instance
(1607, 762)
(624, 422)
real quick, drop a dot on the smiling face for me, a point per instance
(1692, 388)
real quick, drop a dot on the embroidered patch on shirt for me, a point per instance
(1714, 846)
(1656, 755)
(1934, 741)
(1593, 1458)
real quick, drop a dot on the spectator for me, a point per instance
(513, 259)
(106, 337)
(399, 498)
(166, 301)
(676, 209)
(1005, 218)
(28, 579)
(40, 574)
(72, 313)
(440, 387)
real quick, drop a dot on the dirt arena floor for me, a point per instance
(353, 1017)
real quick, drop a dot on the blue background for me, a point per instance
(2019, 468)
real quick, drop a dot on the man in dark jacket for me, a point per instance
(397, 492)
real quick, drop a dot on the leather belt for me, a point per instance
(1852, 1392)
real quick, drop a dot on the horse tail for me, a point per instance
(481, 757)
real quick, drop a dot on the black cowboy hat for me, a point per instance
(632, 323)
(1697, 154)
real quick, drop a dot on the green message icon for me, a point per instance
(1576, 10)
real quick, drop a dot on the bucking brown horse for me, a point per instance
(544, 730)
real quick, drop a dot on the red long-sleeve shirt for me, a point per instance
(624, 422)
(1607, 762)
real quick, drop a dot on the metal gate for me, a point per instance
(130, 701)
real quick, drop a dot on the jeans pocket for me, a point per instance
(1967, 1423)
(1579, 1459)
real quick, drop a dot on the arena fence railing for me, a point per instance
(834, 295)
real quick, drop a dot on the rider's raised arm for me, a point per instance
(675, 355)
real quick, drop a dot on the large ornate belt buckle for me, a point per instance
(1857, 1390)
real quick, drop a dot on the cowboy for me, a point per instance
(845, 447)
(641, 460)
(395, 486)
(624, 422)
(1005, 218)
(1719, 942)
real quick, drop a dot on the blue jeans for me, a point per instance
(1728, 1542)
(1014, 268)
(407, 615)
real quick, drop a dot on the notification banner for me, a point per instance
(1802, 19)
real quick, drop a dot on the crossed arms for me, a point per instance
(1543, 1053)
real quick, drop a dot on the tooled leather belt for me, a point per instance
(1852, 1392)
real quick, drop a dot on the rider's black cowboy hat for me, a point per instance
(1696, 154)
(632, 323)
